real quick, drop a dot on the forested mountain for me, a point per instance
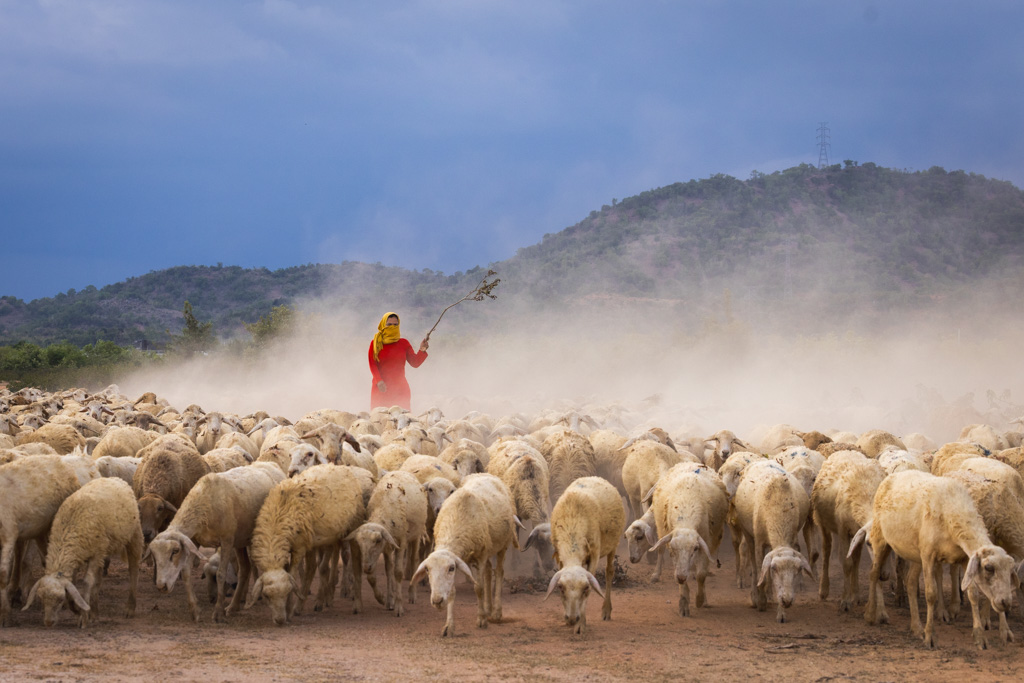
(852, 236)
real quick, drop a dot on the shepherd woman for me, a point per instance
(388, 354)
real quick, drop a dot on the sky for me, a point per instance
(141, 135)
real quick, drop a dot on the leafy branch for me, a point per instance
(482, 291)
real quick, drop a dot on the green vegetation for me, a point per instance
(853, 235)
(63, 364)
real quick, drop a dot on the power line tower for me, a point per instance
(824, 144)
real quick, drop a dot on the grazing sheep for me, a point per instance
(122, 468)
(220, 511)
(438, 490)
(951, 455)
(32, 489)
(646, 462)
(722, 444)
(426, 467)
(927, 520)
(771, 506)
(224, 459)
(391, 456)
(569, 456)
(690, 504)
(476, 523)
(528, 482)
(170, 467)
(586, 525)
(873, 441)
(985, 436)
(62, 437)
(896, 460)
(239, 440)
(315, 509)
(122, 442)
(98, 521)
(641, 535)
(841, 504)
(396, 522)
(609, 456)
(467, 457)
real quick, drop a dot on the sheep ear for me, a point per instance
(765, 566)
(464, 568)
(75, 596)
(594, 584)
(671, 444)
(704, 547)
(858, 539)
(661, 541)
(420, 572)
(188, 545)
(972, 572)
(254, 593)
(534, 535)
(390, 539)
(552, 583)
(650, 494)
(806, 566)
(354, 442)
(146, 555)
(295, 584)
(649, 534)
(31, 596)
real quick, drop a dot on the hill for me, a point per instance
(807, 241)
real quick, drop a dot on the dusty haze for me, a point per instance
(720, 365)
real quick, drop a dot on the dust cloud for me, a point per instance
(726, 360)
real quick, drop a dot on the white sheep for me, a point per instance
(722, 443)
(771, 507)
(927, 520)
(569, 456)
(690, 504)
(395, 524)
(98, 521)
(315, 509)
(426, 467)
(586, 525)
(224, 459)
(841, 504)
(873, 441)
(646, 461)
(466, 456)
(32, 489)
(475, 524)
(122, 468)
(896, 460)
(220, 512)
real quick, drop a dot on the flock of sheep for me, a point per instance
(265, 505)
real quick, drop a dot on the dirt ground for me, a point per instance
(646, 639)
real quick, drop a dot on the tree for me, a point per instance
(279, 322)
(196, 337)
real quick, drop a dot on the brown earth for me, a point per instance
(645, 640)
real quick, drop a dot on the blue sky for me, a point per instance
(139, 135)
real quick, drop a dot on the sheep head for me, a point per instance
(640, 537)
(440, 567)
(990, 569)
(373, 539)
(687, 549)
(782, 566)
(154, 514)
(305, 456)
(575, 584)
(53, 591)
(172, 553)
(276, 586)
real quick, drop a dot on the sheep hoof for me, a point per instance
(481, 622)
(980, 640)
(448, 631)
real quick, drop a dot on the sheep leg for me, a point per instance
(399, 575)
(324, 573)
(333, 578)
(193, 606)
(901, 582)
(308, 570)
(851, 571)
(875, 612)
(978, 629)
(226, 554)
(14, 573)
(389, 578)
(759, 589)
(371, 578)
(658, 565)
(956, 596)
(356, 560)
(609, 576)
(499, 580)
(703, 566)
(1005, 634)
(413, 554)
(134, 552)
(244, 571)
(826, 559)
(449, 621)
(736, 537)
(482, 577)
(810, 540)
(6, 567)
(346, 571)
(931, 596)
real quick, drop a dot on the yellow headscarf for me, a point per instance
(385, 334)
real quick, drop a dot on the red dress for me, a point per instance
(391, 369)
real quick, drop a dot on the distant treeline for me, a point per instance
(855, 235)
